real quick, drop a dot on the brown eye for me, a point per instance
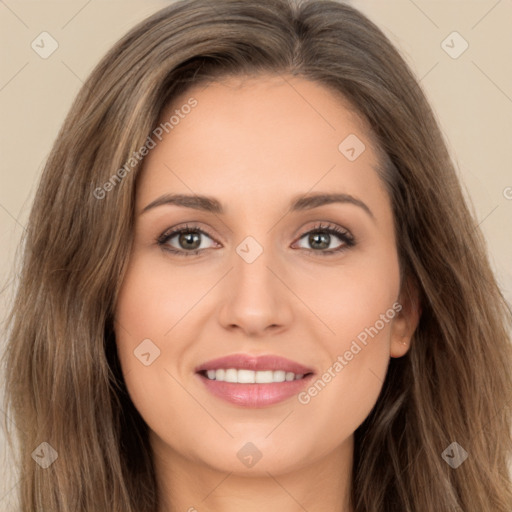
(319, 240)
(189, 240)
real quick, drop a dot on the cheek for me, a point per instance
(357, 306)
(146, 309)
(141, 322)
(154, 297)
(353, 297)
(344, 393)
(154, 303)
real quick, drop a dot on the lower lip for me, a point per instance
(255, 395)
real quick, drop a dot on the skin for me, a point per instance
(254, 144)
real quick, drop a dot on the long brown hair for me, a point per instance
(64, 384)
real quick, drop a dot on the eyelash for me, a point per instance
(331, 229)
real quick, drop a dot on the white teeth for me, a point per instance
(252, 377)
(264, 377)
(246, 376)
(279, 376)
(231, 375)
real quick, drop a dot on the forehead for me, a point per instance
(262, 138)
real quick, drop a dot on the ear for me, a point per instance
(408, 309)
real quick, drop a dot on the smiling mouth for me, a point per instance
(244, 376)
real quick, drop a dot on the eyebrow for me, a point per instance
(212, 205)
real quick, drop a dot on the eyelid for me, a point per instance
(326, 226)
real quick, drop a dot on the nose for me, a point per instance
(255, 298)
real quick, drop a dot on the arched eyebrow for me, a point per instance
(310, 201)
(204, 203)
(212, 205)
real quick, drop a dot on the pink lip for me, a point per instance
(247, 362)
(255, 395)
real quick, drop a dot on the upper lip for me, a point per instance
(256, 363)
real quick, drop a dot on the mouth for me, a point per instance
(254, 381)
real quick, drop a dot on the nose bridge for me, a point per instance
(255, 299)
(251, 274)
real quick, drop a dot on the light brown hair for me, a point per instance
(64, 384)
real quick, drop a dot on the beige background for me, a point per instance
(472, 96)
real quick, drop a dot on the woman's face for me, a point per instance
(289, 266)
